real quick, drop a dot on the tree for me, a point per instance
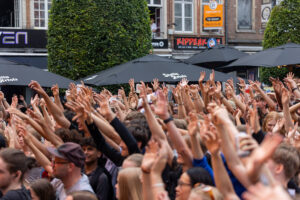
(87, 36)
(283, 26)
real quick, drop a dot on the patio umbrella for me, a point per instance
(20, 75)
(149, 67)
(216, 56)
(288, 54)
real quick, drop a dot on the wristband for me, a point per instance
(294, 89)
(168, 120)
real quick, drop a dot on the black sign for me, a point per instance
(194, 43)
(20, 38)
(159, 44)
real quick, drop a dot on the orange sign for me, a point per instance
(213, 16)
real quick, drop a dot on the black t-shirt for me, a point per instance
(20, 194)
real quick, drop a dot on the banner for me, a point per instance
(194, 43)
(22, 38)
(213, 16)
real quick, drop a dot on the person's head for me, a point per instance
(13, 166)
(140, 131)
(270, 121)
(68, 159)
(129, 185)
(284, 163)
(193, 177)
(41, 189)
(204, 192)
(90, 151)
(81, 195)
(134, 160)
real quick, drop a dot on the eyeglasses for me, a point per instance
(180, 184)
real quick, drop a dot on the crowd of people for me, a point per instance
(190, 142)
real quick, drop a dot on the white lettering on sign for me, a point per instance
(175, 75)
(4, 79)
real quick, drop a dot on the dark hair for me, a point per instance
(15, 160)
(43, 189)
(199, 175)
(88, 142)
(64, 134)
(140, 131)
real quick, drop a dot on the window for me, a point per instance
(10, 13)
(184, 15)
(41, 13)
(244, 19)
(154, 2)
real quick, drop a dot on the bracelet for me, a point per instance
(294, 89)
(168, 120)
(158, 185)
(180, 104)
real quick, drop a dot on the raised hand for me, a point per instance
(55, 90)
(131, 84)
(194, 125)
(285, 97)
(14, 101)
(149, 156)
(37, 87)
(242, 83)
(184, 82)
(201, 78)
(155, 84)
(161, 160)
(212, 141)
(161, 108)
(278, 126)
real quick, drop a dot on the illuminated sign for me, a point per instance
(12, 38)
(194, 43)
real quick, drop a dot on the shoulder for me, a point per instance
(22, 194)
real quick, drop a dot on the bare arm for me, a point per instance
(57, 113)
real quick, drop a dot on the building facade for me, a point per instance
(182, 27)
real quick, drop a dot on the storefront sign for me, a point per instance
(213, 16)
(194, 43)
(265, 14)
(18, 38)
(159, 43)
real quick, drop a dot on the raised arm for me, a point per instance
(57, 113)
(55, 92)
(221, 178)
(161, 110)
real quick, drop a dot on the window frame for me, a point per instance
(252, 18)
(183, 2)
(46, 11)
(152, 4)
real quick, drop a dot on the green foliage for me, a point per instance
(266, 73)
(87, 36)
(283, 26)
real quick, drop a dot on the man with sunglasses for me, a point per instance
(67, 166)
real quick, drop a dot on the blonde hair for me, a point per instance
(136, 158)
(130, 186)
(205, 194)
(270, 116)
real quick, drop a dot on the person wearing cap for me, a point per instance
(67, 166)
